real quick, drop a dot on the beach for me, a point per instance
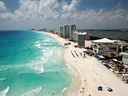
(89, 74)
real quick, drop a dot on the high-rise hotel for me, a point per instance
(66, 31)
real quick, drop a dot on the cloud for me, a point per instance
(2, 7)
(102, 19)
(3, 10)
(51, 13)
(4, 13)
(72, 6)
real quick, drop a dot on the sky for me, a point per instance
(86, 14)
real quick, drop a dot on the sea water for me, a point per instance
(31, 64)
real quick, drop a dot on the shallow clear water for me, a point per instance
(31, 64)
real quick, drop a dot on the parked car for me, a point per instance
(100, 88)
(109, 89)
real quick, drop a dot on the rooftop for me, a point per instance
(80, 33)
(124, 53)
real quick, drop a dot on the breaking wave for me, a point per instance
(4, 92)
(33, 92)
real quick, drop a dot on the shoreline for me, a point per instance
(74, 87)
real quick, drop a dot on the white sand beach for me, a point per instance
(89, 74)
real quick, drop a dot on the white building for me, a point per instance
(108, 48)
(72, 29)
(66, 31)
(124, 57)
(80, 38)
(105, 47)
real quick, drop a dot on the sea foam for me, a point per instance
(38, 65)
(4, 92)
(33, 92)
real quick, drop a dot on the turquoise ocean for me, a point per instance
(31, 64)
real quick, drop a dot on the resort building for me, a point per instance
(66, 31)
(80, 38)
(108, 48)
(124, 57)
(72, 30)
(61, 31)
(105, 47)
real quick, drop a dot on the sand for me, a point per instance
(89, 73)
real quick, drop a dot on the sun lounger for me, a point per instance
(76, 54)
(72, 54)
